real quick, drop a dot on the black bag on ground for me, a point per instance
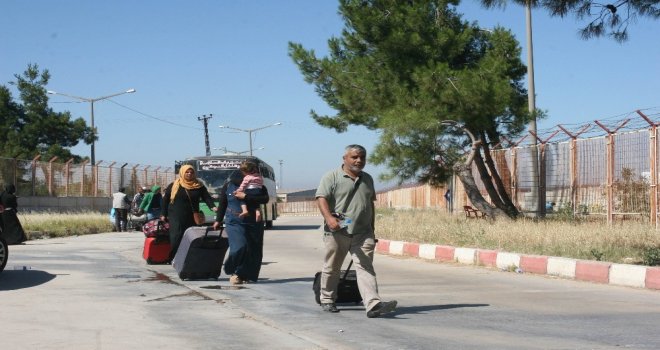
(347, 289)
(201, 253)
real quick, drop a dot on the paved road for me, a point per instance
(96, 292)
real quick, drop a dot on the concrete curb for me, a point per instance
(582, 270)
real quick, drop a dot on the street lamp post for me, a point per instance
(91, 102)
(249, 131)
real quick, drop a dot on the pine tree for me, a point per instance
(32, 128)
(404, 67)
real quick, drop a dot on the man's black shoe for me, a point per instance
(329, 307)
(382, 308)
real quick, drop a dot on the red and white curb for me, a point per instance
(583, 270)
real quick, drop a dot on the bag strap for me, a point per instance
(351, 194)
(191, 203)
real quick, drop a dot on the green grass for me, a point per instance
(42, 225)
(630, 243)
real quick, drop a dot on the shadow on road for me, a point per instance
(407, 310)
(286, 280)
(294, 227)
(19, 279)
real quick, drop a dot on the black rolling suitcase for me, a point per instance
(201, 253)
(347, 289)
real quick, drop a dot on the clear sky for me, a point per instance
(187, 59)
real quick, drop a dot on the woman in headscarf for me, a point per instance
(12, 231)
(180, 200)
(152, 202)
(246, 235)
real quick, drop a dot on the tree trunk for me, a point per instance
(464, 173)
(487, 180)
(507, 204)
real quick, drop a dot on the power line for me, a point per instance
(152, 117)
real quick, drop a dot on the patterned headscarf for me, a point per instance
(181, 181)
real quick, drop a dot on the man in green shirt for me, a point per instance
(350, 191)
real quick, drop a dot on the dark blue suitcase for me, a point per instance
(201, 253)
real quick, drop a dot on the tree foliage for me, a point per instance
(31, 128)
(402, 67)
(610, 18)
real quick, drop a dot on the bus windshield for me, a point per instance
(213, 172)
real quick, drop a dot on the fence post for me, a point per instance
(96, 178)
(145, 174)
(653, 168)
(574, 163)
(67, 176)
(121, 175)
(110, 177)
(156, 175)
(610, 168)
(34, 173)
(82, 179)
(50, 175)
(167, 171)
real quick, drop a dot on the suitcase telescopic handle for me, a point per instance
(209, 228)
(351, 264)
(347, 269)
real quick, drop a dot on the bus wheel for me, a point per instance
(269, 224)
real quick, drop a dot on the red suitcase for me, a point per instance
(156, 250)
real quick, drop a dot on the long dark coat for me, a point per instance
(180, 212)
(12, 230)
(246, 237)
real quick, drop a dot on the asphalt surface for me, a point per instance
(96, 292)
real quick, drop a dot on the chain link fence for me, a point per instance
(607, 168)
(56, 179)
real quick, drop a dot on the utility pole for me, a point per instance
(281, 161)
(537, 178)
(205, 120)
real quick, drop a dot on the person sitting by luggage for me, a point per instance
(151, 203)
(350, 191)
(181, 199)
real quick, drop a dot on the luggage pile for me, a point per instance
(157, 242)
(200, 254)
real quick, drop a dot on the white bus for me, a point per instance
(213, 171)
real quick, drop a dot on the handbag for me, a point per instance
(198, 216)
(156, 228)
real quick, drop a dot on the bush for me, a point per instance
(651, 256)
